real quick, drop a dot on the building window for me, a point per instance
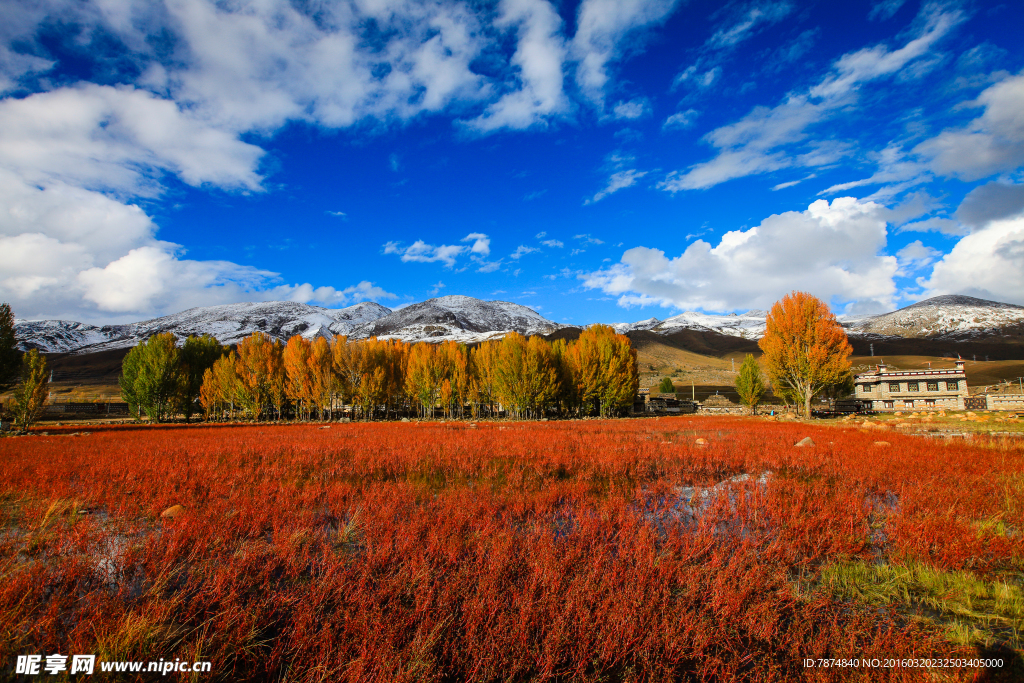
(894, 386)
(929, 403)
(908, 403)
(933, 386)
(889, 404)
(953, 385)
(913, 386)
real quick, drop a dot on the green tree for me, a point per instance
(750, 384)
(30, 393)
(151, 377)
(10, 357)
(666, 386)
(197, 356)
(129, 375)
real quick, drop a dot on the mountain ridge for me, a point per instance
(454, 317)
(469, 320)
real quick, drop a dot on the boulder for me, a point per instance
(882, 444)
(806, 441)
(173, 511)
(701, 442)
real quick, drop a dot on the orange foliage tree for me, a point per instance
(298, 372)
(805, 348)
(260, 370)
(604, 370)
(521, 376)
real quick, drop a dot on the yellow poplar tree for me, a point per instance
(805, 348)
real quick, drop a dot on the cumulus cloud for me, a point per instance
(481, 243)
(834, 250)
(988, 263)
(990, 202)
(554, 244)
(992, 143)
(916, 256)
(631, 109)
(764, 139)
(74, 253)
(101, 137)
(421, 252)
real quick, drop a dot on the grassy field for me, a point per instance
(629, 550)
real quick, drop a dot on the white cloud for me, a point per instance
(554, 244)
(682, 119)
(602, 28)
(617, 181)
(946, 226)
(783, 186)
(421, 252)
(72, 253)
(697, 75)
(541, 235)
(893, 167)
(885, 9)
(988, 263)
(833, 251)
(481, 243)
(488, 266)
(521, 251)
(745, 27)
(122, 139)
(632, 109)
(992, 143)
(539, 58)
(916, 256)
(758, 142)
(874, 62)
(587, 239)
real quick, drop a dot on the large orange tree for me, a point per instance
(805, 348)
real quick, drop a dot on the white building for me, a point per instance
(913, 389)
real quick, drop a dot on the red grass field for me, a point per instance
(617, 550)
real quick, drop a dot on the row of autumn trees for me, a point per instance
(516, 376)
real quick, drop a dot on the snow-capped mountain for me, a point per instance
(465, 319)
(950, 317)
(460, 318)
(228, 323)
(749, 325)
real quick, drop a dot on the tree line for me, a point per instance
(515, 376)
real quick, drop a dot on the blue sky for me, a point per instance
(607, 160)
